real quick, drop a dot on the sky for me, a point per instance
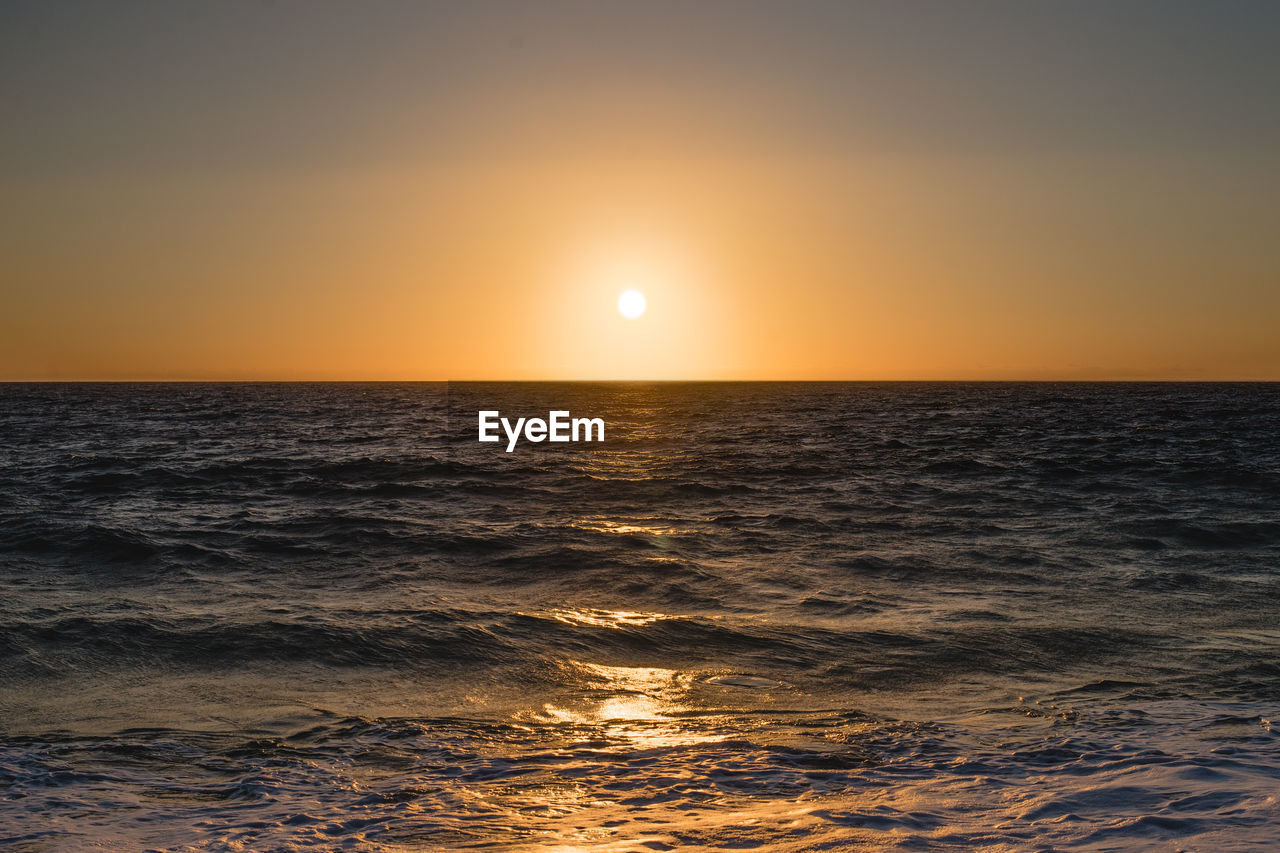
(802, 190)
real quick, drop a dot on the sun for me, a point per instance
(631, 304)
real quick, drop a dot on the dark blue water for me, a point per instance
(787, 616)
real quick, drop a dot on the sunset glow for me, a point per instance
(838, 193)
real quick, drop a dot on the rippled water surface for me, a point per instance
(780, 616)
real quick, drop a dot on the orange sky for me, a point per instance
(809, 193)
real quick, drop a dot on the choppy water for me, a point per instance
(791, 616)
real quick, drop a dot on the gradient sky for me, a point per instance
(804, 190)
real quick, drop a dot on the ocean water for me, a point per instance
(776, 616)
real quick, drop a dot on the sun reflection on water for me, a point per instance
(644, 526)
(640, 707)
(637, 720)
(630, 466)
(599, 618)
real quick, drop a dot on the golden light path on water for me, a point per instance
(598, 618)
(640, 526)
(634, 712)
(632, 705)
(646, 720)
(632, 467)
(640, 707)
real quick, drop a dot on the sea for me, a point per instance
(772, 616)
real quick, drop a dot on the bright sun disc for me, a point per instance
(631, 304)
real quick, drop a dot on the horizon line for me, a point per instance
(1007, 381)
